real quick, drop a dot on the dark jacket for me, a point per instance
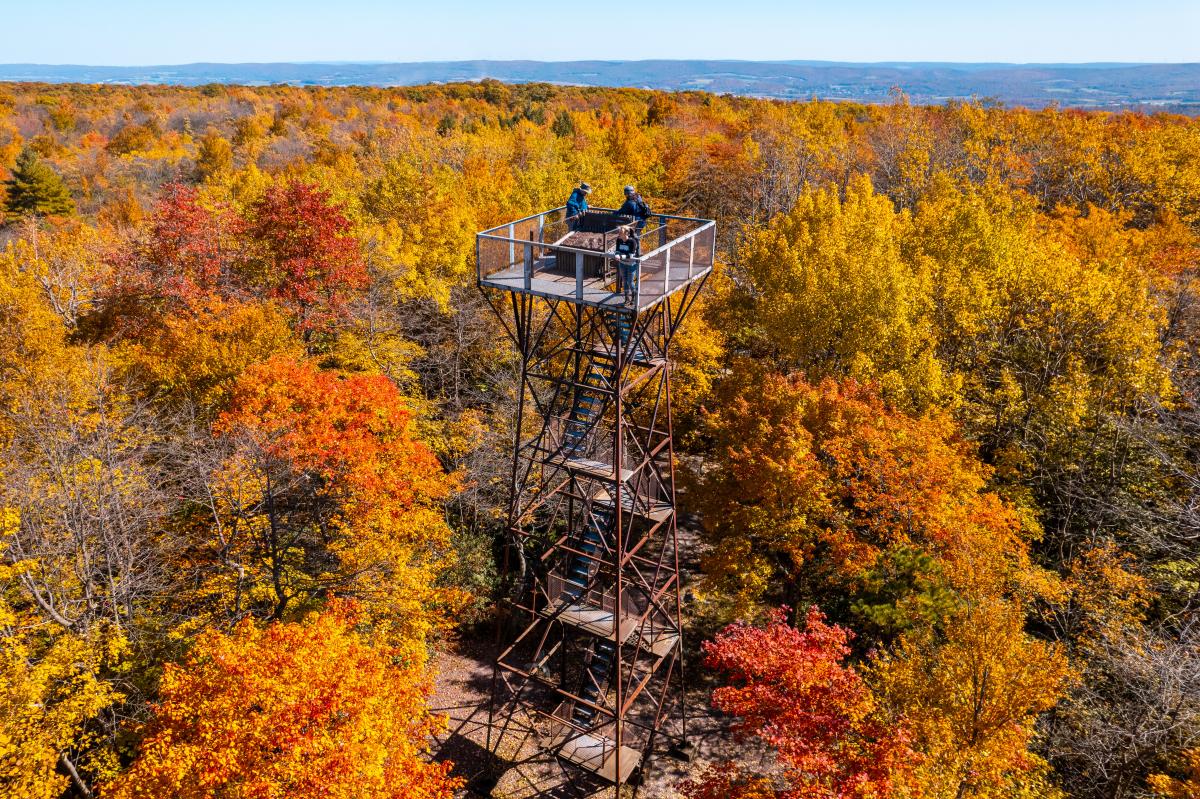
(636, 207)
(577, 203)
(629, 248)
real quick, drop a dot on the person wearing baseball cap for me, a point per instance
(577, 204)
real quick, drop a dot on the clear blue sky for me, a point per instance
(135, 32)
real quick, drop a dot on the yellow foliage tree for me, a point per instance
(831, 294)
(969, 699)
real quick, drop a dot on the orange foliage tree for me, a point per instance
(325, 489)
(302, 710)
(829, 478)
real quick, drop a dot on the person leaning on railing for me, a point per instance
(577, 205)
(635, 208)
(628, 248)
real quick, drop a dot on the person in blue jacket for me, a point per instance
(577, 205)
(636, 208)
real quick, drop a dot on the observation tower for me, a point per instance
(590, 644)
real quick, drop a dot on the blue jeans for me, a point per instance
(628, 271)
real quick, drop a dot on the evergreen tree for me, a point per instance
(563, 125)
(35, 188)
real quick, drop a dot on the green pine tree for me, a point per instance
(35, 188)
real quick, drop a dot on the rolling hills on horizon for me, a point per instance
(1112, 86)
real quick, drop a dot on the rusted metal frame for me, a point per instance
(554, 501)
(641, 392)
(653, 450)
(606, 709)
(553, 454)
(520, 313)
(636, 691)
(561, 545)
(539, 661)
(658, 566)
(537, 622)
(566, 323)
(688, 300)
(647, 432)
(601, 691)
(647, 676)
(618, 453)
(642, 559)
(655, 593)
(658, 397)
(652, 605)
(658, 712)
(537, 650)
(649, 535)
(632, 552)
(559, 548)
(552, 307)
(637, 332)
(556, 335)
(674, 530)
(648, 459)
(543, 409)
(566, 381)
(523, 318)
(645, 440)
(543, 499)
(647, 373)
(540, 501)
(487, 296)
(583, 731)
(529, 346)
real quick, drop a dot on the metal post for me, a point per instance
(578, 276)
(666, 270)
(529, 266)
(675, 542)
(636, 276)
(691, 254)
(512, 243)
(619, 551)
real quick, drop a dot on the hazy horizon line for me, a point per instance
(376, 62)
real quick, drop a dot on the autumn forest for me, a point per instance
(937, 421)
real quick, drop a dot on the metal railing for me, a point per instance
(512, 255)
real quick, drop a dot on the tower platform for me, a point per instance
(548, 256)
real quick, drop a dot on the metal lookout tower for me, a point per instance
(590, 643)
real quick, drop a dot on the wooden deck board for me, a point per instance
(597, 754)
(596, 290)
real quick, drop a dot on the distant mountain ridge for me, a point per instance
(1101, 85)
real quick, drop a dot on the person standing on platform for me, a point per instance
(627, 249)
(635, 207)
(577, 205)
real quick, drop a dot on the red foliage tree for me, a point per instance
(294, 246)
(189, 248)
(790, 688)
(300, 249)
